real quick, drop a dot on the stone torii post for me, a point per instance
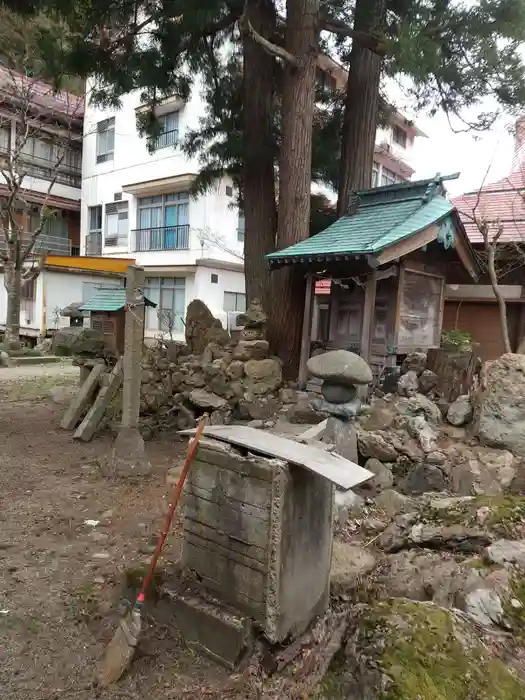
(129, 456)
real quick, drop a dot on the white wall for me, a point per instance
(132, 163)
(61, 289)
(199, 286)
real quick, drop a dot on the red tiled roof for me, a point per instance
(42, 94)
(502, 201)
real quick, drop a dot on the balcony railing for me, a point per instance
(54, 245)
(162, 238)
(47, 169)
(94, 244)
(167, 138)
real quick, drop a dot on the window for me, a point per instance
(234, 301)
(169, 132)
(214, 278)
(54, 225)
(169, 293)
(105, 140)
(163, 222)
(388, 177)
(375, 174)
(117, 227)
(229, 191)
(4, 139)
(241, 224)
(399, 136)
(95, 219)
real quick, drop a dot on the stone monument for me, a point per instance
(342, 373)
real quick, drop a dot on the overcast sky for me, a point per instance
(467, 153)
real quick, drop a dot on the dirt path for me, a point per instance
(52, 369)
(61, 578)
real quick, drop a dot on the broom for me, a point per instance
(120, 650)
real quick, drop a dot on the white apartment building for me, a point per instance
(137, 204)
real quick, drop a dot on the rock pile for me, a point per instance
(226, 379)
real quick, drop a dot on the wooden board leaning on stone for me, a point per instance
(336, 469)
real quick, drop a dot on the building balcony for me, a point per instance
(161, 238)
(167, 138)
(52, 245)
(94, 244)
(45, 169)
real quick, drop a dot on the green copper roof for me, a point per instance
(109, 299)
(384, 216)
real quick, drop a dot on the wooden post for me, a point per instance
(368, 316)
(307, 331)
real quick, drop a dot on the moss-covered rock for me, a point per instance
(401, 650)
(503, 515)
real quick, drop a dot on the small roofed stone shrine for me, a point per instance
(386, 264)
(108, 314)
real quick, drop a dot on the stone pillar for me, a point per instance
(128, 451)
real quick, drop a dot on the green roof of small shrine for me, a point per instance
(109, 299)
(383, 217)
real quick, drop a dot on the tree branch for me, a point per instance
(364, 39)
(274, 50)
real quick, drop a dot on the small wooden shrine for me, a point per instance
(386, 262)
(108, 314)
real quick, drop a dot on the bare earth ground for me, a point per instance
(62, 581)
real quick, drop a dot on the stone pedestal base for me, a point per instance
(212, 629)
(343, 435)
(129, 454)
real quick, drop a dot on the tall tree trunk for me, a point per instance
(362, 106)
(295, 175)
(260, 211)
(13, 285)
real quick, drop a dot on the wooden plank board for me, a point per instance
(333, 467)
(82, 400)
(89, 425)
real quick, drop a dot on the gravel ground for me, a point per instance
(62, 579)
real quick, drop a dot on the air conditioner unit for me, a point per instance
(232, 321)
(111, 241)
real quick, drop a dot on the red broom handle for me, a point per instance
(169, 516)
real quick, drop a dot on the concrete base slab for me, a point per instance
(129, 456)
(212, 629)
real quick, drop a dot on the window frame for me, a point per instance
(103, 152)
(153, 290)
(236, 295)
(399, 136)
(120, 210)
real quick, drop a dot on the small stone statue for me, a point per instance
(254, 321)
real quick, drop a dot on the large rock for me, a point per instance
(350, 564)
(393, 503)
(202, 328)
(460, 412)
(383, 478)
(499, 404)
(254, 316)
(404, 535)
(340, 367)
(207, 400)
(507, 552)
(427, 381)
(479, 470)
(84, 342)
(423, 432)
(303, 412)
(423, 478)
(419, 405)
(263, 376)
(380, 417)
(414, 362)
(408, 384)
(377, 445)
(251, 350)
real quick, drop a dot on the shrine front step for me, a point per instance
(212, 629)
